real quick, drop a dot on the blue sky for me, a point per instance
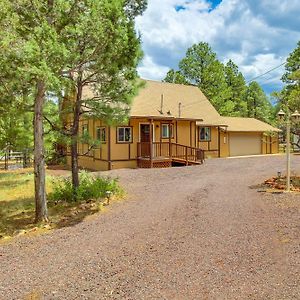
(257, 35)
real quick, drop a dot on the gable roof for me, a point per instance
(194, 105)
(247, 124)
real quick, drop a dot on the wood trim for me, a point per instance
(151, 143)
(109, 148)
(120, 160)
(146, 123)
(195, 134)
(80, 155)
(105, 160)
(129, 145)
(161, 126)
(191, 133)
(99, 159)
(219, 142)
(124, 143)
(93, 129)
(199, 128)
(176, 123)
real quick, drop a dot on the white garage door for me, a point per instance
(244, 144)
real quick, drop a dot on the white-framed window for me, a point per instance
(204, 134)
(167, 131)
(101, 134)
(124, 134)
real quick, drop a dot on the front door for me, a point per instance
(145, 133)
(145, 139)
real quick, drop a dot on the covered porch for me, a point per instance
(164, 142)
(165, 154)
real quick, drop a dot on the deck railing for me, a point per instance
(170, 150)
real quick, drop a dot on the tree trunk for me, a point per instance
(41, 212)
(74, 158)
(75, 132)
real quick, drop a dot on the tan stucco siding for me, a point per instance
(119, 150)
(123, 155)
(270, 144)
(91, 164)
(224, 144)
(275, 144)
(213, 144)
(183, 134)
(124, 164)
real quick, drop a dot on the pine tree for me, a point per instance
(202, 68)
(50, 47)
(175, 77)
(291, 92)
(258, 105)
(237, 86)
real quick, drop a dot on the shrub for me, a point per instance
(90, 188)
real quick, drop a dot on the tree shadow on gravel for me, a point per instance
(17, 216)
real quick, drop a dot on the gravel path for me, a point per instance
(183, 233)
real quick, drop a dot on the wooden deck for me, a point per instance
(164, 154)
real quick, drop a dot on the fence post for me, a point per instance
(5, 160)
(25, 159)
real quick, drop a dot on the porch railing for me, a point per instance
(170, 150)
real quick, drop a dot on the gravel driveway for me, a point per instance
(183, 233)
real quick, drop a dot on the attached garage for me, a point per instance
(244, 144)
(248, 136)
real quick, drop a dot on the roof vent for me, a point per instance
(161, 104)
(179, 109)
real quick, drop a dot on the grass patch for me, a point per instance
(17, 207)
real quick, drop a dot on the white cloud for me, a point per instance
(150, 70)
(256, 34)
(261, 64)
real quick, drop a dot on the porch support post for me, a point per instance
(109, 148)
(151, 143)
(219, 142)
(170, 141)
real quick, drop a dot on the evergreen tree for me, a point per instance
(175, 77)
(291, 92)
(202, 68)
(54, 46)
(106, 52)
(237, 86)
(258, 105)
(224, 86)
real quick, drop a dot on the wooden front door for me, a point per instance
(145, 133)
(145, 139)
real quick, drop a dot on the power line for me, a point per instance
(267, 72)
